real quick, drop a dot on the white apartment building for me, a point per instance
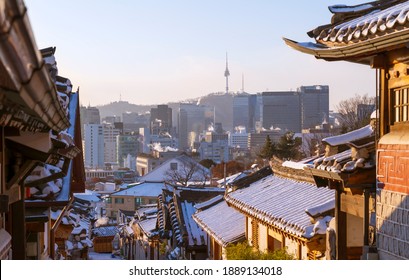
(110, 143)
(93, 145)
(239, 138)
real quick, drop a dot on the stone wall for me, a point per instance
(392, 223)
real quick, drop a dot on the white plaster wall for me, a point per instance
(355, 234)
(263, 238)
(291, 247)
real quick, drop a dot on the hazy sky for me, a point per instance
(152, 52)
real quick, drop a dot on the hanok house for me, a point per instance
(377, 34)
(146, 238)
(143, 244)
(348, 167)
(223, 225)
(278, 216)
(72, 235)
(131, 198)
(40, 137)
(180, 236)
(103, 239)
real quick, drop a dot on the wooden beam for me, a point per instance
(18, 224)
(384, 112)
(340, 228)
(352, 204)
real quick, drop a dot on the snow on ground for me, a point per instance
(102, 256)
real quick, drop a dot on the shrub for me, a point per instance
(242, 251)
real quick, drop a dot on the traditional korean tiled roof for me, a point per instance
(225, 224)
(354, 135)
(51, 182)
(209, 203)
(359, 31)
(146, 211)
(25, 75)
(148, 226)
(105, 231)
(175, 214)
(195, 234)
(231, 179)
(359, 153)
(280, 202)
(89, 197)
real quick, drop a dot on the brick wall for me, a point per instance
(392, 223)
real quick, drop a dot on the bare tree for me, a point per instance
(185, 172)
(355, 112)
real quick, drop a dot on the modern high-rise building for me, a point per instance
(295, 110)
(239, 138)
(244, 110)
(111, 119)
(281, 109)
(110, 143)
(94, 146)
(193, 120)
(161, 119)
(132, 121)
(127, 146)
(314, 105)
(257, 140)
(89, 115)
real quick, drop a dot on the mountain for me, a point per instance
(118, 107)
(222, 102)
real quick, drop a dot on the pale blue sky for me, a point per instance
(155, 52)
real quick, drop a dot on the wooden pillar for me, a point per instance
(18, 225)
(366, 217)
(384, 111)
(341, 227)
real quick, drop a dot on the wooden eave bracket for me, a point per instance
(22, 174)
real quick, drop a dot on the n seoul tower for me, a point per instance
(227, 74)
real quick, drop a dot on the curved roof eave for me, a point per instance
(25, 67)
(360, 52)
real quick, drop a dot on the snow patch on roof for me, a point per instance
(350, 136)
(223, 223)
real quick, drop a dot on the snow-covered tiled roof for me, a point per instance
(324, 207)
(354, 135)
(145, 189)
(208, 203)
(148, 226)
(87, 197)
(225, 224)
(146, 211)
(375, 22)
(231, 179)
(196, 235)
(359, 32)
(280, 202)
(105, 231)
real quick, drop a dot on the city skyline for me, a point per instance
(154, 53)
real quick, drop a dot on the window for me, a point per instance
(138, 201)
(400, 101)
(174, 166)
(119, 200)
(109, 200)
